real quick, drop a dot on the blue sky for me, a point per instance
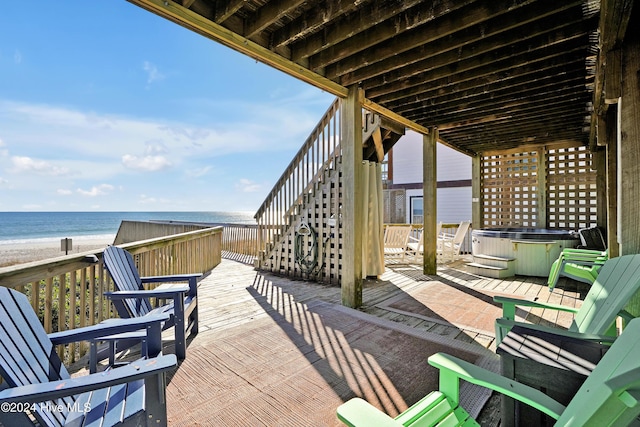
(105, 106)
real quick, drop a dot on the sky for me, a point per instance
(107, 107)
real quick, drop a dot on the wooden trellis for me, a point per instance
(571, 188)
(550, 187)
(510, 190)
(319, 208)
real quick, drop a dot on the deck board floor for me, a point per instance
(236, 299)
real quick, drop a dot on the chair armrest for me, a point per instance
(154, 293)
(453, 369)
(358, 412)
(115, 326)
(506, 324)
(172, 278)
(584, 252)
(42, 392)
(191, 278)
(509, 306)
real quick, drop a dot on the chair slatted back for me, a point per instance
(122, 269)
(461, 232)
(27, 355)
(591, 238)
(397, 236)
(610, 394)
(617, 282)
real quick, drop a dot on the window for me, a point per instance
(417, 211)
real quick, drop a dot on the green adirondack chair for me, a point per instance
(583, 263)
(610, 396)
(618, 281)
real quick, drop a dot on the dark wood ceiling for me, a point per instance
(489, 74)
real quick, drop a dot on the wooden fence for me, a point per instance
(67, 292)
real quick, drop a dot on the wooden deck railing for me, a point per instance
(67, 292)
(241, 239)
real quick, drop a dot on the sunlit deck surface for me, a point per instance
(274, 351)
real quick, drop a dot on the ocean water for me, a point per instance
(26, 227)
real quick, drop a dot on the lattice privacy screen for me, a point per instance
(395, 202)
(571, 188)
(511, 188)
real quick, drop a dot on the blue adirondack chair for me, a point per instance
(618, 281)
(132, 300)
(37, 387)
(608, 397)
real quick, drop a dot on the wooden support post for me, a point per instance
(599, 163)
(430, 206)
(541, 175)
(611, 142)
(477, 218)
(352, 206)
(629, 148)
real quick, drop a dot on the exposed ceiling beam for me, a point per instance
(225, 9)
(401, 27)
(268, 14)
(409, 89)
(497, 32)
(481, 90)
(311, 21)
(344, 28)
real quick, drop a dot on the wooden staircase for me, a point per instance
(309, 192)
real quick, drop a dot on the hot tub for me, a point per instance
(533, 249)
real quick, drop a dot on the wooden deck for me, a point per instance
(274, 351)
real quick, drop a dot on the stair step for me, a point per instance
(493, 258)
(488, 267)
(490, 270)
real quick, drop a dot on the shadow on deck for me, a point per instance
(274, 351)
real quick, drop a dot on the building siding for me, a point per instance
(454, 177)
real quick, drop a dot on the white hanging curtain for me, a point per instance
(372, 231)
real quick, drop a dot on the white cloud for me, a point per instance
(150, 200)
(64, 192)
(247, 186)
(146, 163)
(100, 190)
(152, 148)
(17, 57)
(27, 164)
(153, 74)
(197, 173)
(41, 128)
(3, 181)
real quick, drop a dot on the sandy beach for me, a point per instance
(18, 253)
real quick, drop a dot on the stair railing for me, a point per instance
(318, 153)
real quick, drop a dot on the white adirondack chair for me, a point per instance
(449, 244)
(396, 238)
